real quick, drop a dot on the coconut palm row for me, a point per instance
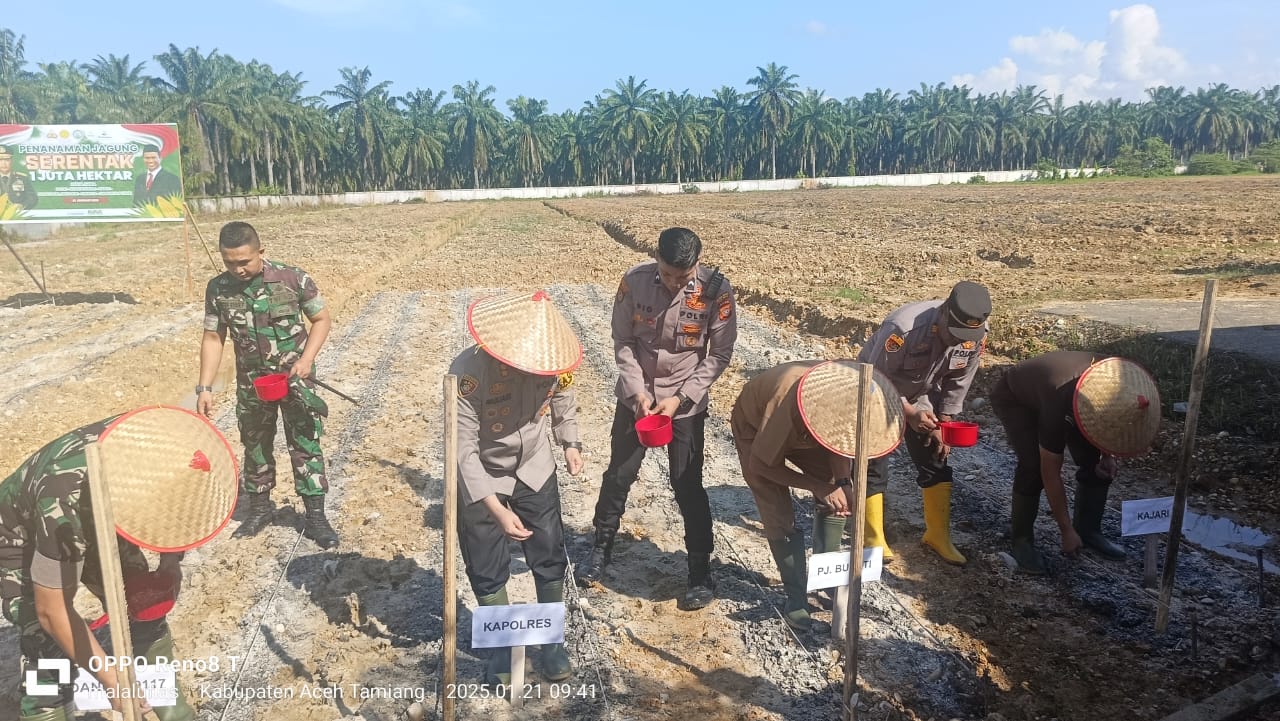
(247, 128)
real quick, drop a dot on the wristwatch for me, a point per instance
(685, 402)
(201, 389)
(572, 444)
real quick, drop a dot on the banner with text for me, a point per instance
(90, 173)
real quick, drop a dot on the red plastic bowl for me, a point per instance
(149, 597)
(271, 387)
(959, 434)
(654, 431)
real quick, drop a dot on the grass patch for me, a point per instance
(857, 295)
(94, 272)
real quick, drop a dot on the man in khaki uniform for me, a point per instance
(674, 327)
(930, 350)
(805, 412)
(513, 385)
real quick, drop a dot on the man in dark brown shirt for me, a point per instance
(1101, 408)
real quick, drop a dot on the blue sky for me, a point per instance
(566, 52)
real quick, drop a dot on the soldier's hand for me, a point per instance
(301, 370)
(512, 526)
(642, 404)
(573, 459)
(204, 404)
(839, 501)
(940, 449)
(922, 420)
(667, 407)
(1071, 542)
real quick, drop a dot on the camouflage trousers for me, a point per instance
(303, 413)
(17, 601)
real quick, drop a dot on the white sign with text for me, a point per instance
(831, 570)
(525, 624)
(1146, 516)
(157, 682)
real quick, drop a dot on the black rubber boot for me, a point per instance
(1091, 503)
(788, 553)
(498, 668)
(316, 526)
(1023, 534)
(702, 585)
(261, 512)
(555, 665)
(592, 570)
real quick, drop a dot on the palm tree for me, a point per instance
(626, 110)
(817, 124)
(725, 108)
(422, 136)
(880, 117)
(363, 112)
(476, 125)
(771, 103)
(682, 125)
(935, 122)
(1215, 117)
(199, 93)
(17, 98)
(530, 136)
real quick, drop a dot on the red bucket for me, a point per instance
(271, 387)
(149, 597)
(655, 430)
(959, 434)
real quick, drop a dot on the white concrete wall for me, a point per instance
(258, 202)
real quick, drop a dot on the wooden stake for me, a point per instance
(190, 218)
(23, 263)
(1183, 472)
(449, 572)
(112, 577)
(854, 529)
(839, 612)
(517, 676)
(1149, 562)
(186, 244)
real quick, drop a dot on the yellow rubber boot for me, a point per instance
(873, 531)
(937, 523)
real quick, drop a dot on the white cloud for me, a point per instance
(993, 79)
(817, 27)
(1129, 61)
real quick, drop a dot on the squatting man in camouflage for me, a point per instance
(514, 384)
(47, 549)
(261, 304)
(674, 328)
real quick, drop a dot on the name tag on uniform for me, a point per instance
(960, 359)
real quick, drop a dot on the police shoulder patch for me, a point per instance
(467, 385)
(623, 290)
(968, 345)
(565, 380)
(894, 343)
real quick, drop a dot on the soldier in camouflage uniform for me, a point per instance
(261, 304)
(47, 548)
(14, 183)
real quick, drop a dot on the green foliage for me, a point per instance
(1212, 164)
(977, 179)
(690, 188)
(266, 190)
(1267, 156)
(1046, 169)
(1153, 158)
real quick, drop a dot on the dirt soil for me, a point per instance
(357, 632)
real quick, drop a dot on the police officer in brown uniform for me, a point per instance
(513, 385)
(1099, 408)
(805, 413)
(930, 350)
(674, 327)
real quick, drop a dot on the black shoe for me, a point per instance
(592, 570)
(261, 512)
(315, 526)
(702, 585)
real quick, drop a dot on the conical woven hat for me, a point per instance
(525, 331)
(828, 397)
(171, 475)
(1117, 407)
